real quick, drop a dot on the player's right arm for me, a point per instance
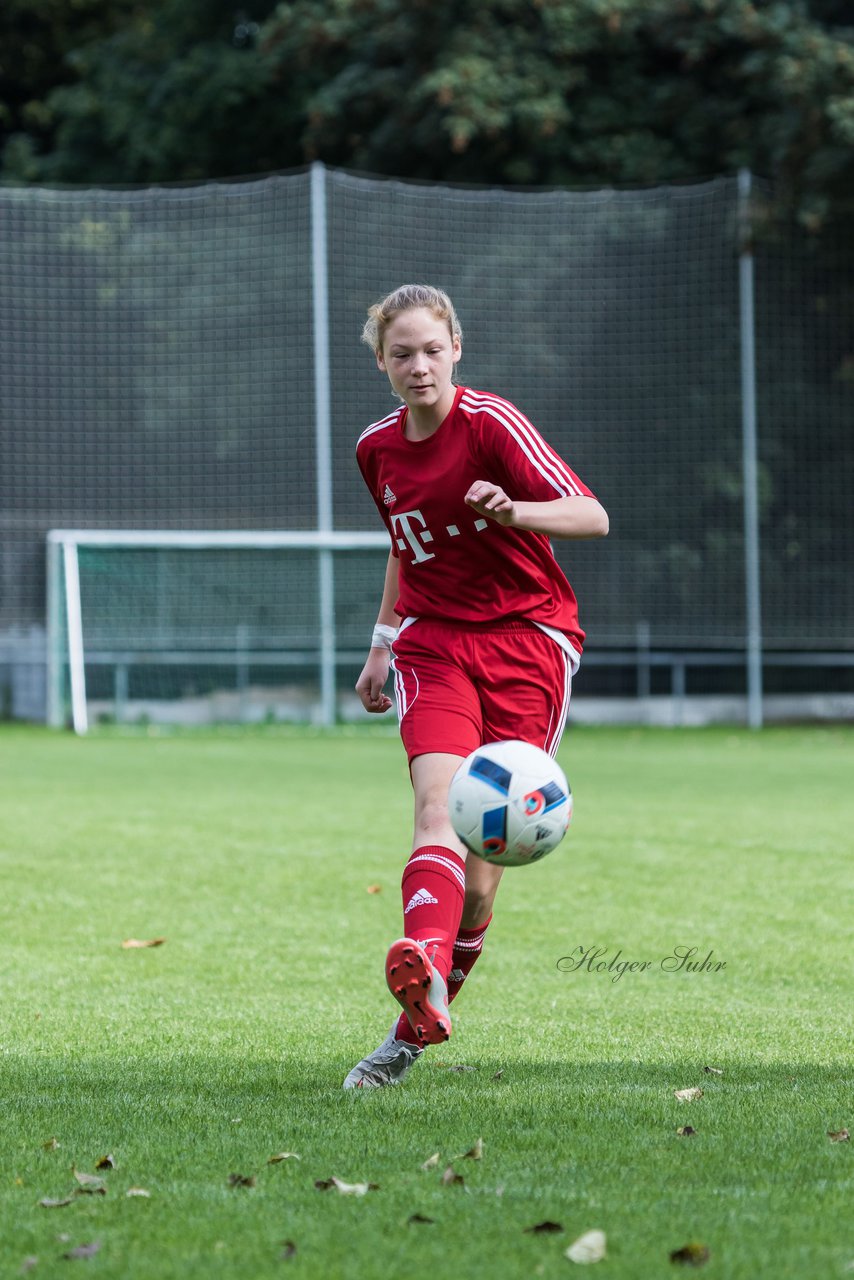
(371, 682)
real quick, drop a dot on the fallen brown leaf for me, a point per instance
(431, 1161)
(543, 1228)
(375, 888)
(87, 1179)
(589, 1247)
(288, 1251)
(692, 1254)
(50, 1145)
(84, 1250)
(685, 1131)
(29, 1262)
(106, 1162)
(138, 1191)
(473, 1153)
(713, 1071)
(134, 944)
(838, 1135)
(47, 1203)
(415, 1218)
(498, 1074)
(688, 1095)
(283, 1155)
(241, 1180)
(450, 1178)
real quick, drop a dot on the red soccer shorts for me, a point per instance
(461, 685)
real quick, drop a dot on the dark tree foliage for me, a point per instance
(506, 91)
(173, 91)
(37, 39)
(560, 92)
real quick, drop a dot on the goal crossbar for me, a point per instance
(265, 539)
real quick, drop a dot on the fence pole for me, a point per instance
(753, 599)
(642, 637)
(323, 438)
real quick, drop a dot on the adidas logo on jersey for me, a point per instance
(388, 496)
(421, 898)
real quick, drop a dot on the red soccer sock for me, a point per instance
(403, 1031)
(433, 886)
(467, 947)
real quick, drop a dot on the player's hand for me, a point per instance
(371, 682)
(490, 500)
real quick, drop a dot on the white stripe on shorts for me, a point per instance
(552, 743)
(403, 702)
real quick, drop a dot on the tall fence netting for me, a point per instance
(157, 372)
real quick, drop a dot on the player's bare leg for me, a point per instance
(431, 777)
(482, 880)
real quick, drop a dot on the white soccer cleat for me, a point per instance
(388, 1064)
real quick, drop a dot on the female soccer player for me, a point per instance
(477, 621)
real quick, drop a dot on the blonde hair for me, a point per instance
(407, 298)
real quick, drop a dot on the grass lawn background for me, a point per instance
(252, 853)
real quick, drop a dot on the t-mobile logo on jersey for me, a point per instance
(402, 523)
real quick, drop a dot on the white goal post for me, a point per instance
(67, 613)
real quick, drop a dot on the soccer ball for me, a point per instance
(510, 803)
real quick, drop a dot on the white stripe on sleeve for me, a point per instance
(378, 426)
(549, 464)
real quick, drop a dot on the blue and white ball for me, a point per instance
(510, 803)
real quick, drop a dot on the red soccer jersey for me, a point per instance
(455, 564)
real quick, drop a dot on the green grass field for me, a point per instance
(252, 853)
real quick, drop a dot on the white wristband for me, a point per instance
(383, 636)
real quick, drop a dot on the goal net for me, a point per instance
(194, 628)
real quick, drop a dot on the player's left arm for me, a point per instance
(530, 486)
(574, 517)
